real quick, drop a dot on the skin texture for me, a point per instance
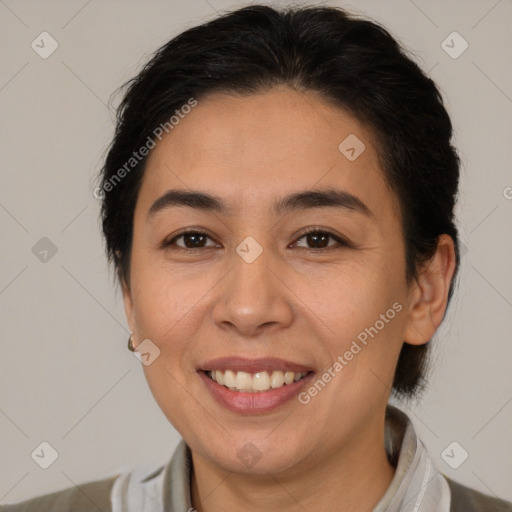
(291, 302)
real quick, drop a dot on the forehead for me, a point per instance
(252, 150)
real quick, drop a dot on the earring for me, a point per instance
(130, 344)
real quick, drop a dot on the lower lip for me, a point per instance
(257, 402)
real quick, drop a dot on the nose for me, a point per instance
(254, 298)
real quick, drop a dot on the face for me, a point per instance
(256, 299)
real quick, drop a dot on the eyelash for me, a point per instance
(315, 230)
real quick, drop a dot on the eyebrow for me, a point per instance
(307, 199)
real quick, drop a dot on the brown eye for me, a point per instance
(190, 240)
(317, 239)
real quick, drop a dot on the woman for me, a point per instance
(278, 204)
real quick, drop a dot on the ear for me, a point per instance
(429, 294)
(128, 305)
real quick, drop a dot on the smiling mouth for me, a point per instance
(256, 382)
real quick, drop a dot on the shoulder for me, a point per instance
(90, 496)
(465, 499)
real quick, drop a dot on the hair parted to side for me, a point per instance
(353, 63)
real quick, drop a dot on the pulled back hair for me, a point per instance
(353, 63)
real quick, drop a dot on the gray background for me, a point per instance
(66, 376)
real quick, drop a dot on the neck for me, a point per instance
(352, 479)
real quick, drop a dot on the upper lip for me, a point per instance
(253, 365)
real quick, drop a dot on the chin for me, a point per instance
(257, 455)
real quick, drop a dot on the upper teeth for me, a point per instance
(260, 381)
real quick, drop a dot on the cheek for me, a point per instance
(352, 295)
(170, 307)
(365, 311)
(163, 298)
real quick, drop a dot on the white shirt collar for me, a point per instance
(416, 486)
